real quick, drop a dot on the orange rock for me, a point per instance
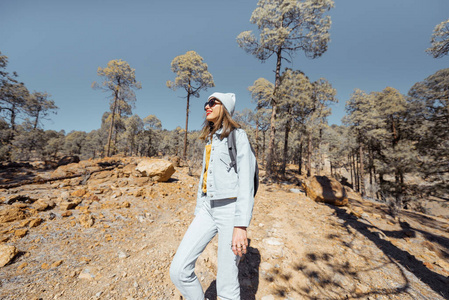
(57, 263)
(140, 192)
(13, 213)
(66, 214)
(36, 222)
(94, 198)
(79, 193)
(325, 189)
(86, 220)
(7, 253)
(21, 232)
(158, 169)
(24, 223)
(67, 205)
(429, 265)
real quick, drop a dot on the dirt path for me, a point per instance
(299, 249)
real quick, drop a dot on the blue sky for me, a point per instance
(56, 46)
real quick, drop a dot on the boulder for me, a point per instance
(43, 204)
(66, 205)
(11, 214)
(7, 253)
(129, 170)
(158, 169)
(68, 160)
(78, 193)
(21, 232)
(35, 222)
(68, 170)
(325, 189)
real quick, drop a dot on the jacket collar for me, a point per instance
(219, 131)
(217, 134)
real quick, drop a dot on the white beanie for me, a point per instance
(228, 100)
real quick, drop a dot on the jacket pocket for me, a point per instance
(225, 177)
(225, 161)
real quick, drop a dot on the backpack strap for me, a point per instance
(232, 150)
(233, 154)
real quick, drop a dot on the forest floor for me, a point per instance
(120, 239)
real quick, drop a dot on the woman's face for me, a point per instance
(213, 112)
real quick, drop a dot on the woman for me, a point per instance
(224, 204)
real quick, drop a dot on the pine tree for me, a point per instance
(285, 27)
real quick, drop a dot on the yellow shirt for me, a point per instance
(208, 148)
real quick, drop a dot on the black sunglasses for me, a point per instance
(211, 103)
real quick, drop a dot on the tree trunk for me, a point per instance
(320, 155)
(273, 116)
(397, 189)
(264, 140)
(351, 171)
(284, 161)
(257, 140)
(272, 140)
(300, 159)
(112, 123)
(361, 171)
(36, 120)
(187, 125)
(356, 170)
(309, 154)
(381, 185)
(371, 171)
(149, 144)
(13, 118)
(115, 148)
(394, 132)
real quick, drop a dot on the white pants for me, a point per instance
(215, 216)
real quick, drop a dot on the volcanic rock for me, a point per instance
(325, 189)
(7, 253)
(158, 169)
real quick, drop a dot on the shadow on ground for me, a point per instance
(397, 256)
(248, 277)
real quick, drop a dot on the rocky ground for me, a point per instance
(112, 234)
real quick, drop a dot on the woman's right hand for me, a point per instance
(239, 241)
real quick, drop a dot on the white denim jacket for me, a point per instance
(222, 180)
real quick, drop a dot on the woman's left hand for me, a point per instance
(239, 241)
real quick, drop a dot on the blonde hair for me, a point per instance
(224, 121)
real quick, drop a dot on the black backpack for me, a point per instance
(233, 154)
